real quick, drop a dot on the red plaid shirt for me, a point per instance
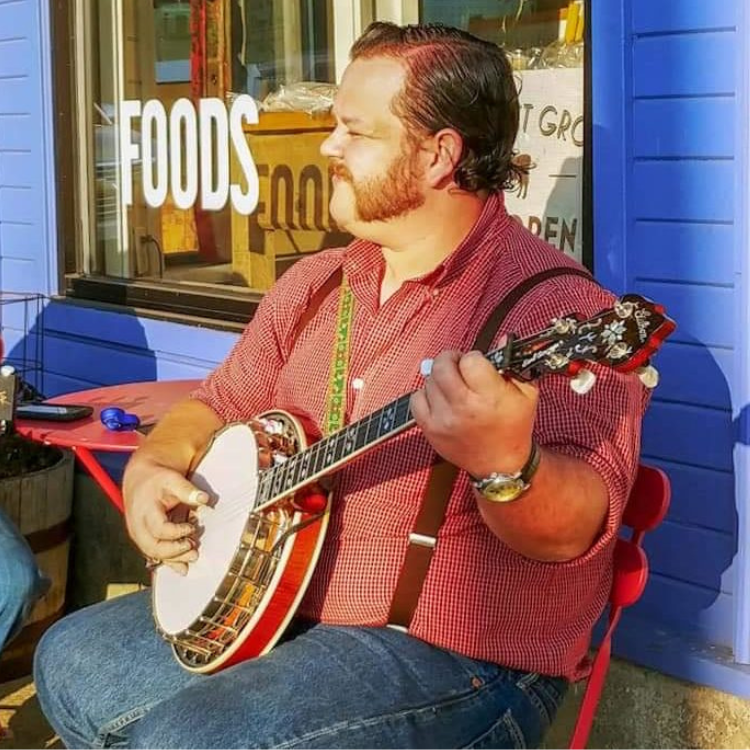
(480, 598)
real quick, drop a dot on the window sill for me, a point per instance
(220, 309)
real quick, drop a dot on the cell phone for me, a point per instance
(53, 412)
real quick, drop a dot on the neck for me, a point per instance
(425, 239)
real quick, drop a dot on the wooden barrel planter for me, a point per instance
(40, 503)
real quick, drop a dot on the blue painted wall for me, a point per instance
(80, 347)
(671, 221)
(671, 168)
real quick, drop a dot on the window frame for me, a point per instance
(217, 307)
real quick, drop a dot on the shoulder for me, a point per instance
(308, 273)
(282, 306)
(295, 287)
(527, 255)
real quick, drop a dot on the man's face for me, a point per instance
(375, 165)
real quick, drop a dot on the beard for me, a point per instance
(387, 196)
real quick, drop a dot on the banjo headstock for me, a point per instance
(623, 338)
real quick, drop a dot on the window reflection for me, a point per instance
(282, 53)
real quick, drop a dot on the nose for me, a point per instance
(331, 146)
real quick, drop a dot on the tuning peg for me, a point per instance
(649, 376)
(7, 370)
(583, 382)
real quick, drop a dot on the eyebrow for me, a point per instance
(347, 119)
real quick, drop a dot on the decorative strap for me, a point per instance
(423, 538)
(336, 401)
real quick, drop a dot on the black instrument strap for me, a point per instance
(431, 515)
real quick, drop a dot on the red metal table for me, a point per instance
(148, 400)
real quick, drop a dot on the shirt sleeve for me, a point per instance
(601, 427)
(244, 384)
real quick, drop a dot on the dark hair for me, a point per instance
(454, 80)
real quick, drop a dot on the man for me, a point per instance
(426, 121)
(21, 581)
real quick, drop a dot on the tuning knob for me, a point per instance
(583, 382)
(649, 376)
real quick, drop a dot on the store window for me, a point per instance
(195, 166)
(545, 42)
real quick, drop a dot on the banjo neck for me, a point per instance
(334, 451)
(622, 338)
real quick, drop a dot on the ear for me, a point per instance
(445, 149)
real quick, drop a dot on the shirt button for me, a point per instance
(358, 384)
(435, 292)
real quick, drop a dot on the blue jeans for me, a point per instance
(21, 581)
(105, 678)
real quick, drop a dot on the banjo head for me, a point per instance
(228, 472)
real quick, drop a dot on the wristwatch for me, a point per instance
(502, 488)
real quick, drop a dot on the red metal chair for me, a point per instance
(647, 505)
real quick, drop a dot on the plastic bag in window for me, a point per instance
(305, 96)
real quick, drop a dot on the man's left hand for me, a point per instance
(475, 417)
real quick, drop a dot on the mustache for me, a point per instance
(337, 169)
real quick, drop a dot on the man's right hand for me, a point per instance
(150, 491)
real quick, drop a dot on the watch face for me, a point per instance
(503, 490)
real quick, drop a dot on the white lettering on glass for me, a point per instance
(154, 134)
(129, 151)
(214, 130)
(183, 153)
(187, 151)
(244, 108)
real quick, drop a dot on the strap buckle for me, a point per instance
(423, 540)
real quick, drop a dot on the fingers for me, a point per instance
(164, 538)
(444, 383)
(177, 489)
(182, 551)
(477, 373)
(529, 389)
(160, 527)
(180, 568)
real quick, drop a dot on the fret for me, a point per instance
(292, 471)
(303, 462)
(305, 472)
(285, 484)
(317, 462)
(360, 440)
(341, 444)
(388, 420)
(350, 439)
(329, 451)
(403, 413)
(263, 486)
(277, 479)
(372, 430)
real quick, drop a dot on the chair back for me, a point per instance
(648, 502)
(646, 508)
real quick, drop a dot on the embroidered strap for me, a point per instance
(439, 488)
(336, 401)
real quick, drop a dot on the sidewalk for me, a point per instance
(22, 719)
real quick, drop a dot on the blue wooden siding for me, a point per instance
(81, 347)
(671, 221)
(27, 223)
(676, 149)
(27, 218)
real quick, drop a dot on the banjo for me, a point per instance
(260, 541)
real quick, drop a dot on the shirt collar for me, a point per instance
(363, 260)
